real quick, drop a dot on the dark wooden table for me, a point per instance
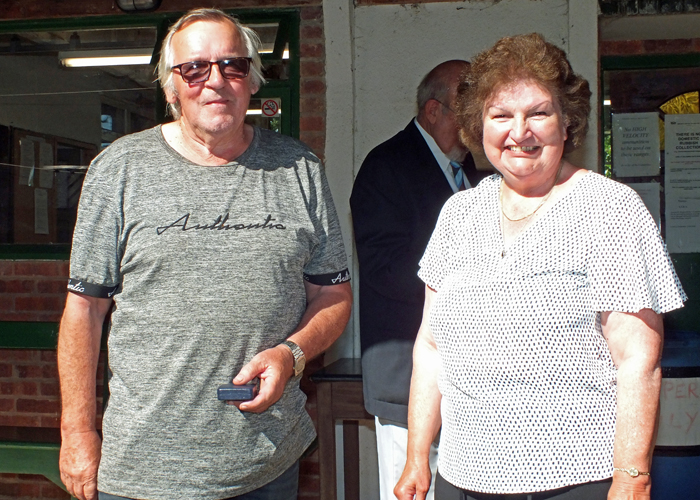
(340, 398)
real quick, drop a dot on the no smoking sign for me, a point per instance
(270, 107)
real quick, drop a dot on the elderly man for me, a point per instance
(217, 249)
(396, 200)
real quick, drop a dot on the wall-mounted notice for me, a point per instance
(26, 160)
(635, 144)
(683, 183)
(650, 193)
(46, 160)
(679, 423)
(41, 211)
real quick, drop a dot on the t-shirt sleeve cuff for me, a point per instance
(328, 279)
(90, 289)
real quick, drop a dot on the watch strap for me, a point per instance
(299, 357)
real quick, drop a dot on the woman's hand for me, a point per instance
(414, 482)
(630, 488)
(423, 411)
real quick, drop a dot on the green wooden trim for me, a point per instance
(31, 458)
(28, 335)
(35, 252)
(36, 334)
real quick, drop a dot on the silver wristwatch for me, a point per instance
(299, 357)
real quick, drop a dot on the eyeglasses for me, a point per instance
(199, 71)
(445, 105)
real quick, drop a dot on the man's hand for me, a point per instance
(78, 462)
(273, 367)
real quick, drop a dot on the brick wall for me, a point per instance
(35, 290)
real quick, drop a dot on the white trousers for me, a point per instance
(392, 438)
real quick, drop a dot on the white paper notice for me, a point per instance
(41, 211)
(635, 144)
(45, 160)
(683, 183)
(679, 424)
(650, 193)
(26, 160)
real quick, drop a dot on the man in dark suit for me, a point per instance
(395, 202)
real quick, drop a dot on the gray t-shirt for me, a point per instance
(206, 268)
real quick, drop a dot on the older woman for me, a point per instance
(542, 332)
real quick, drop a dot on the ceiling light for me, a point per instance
(119, 57)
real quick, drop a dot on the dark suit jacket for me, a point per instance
(396, 199)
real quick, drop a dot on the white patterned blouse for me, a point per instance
(528, 383)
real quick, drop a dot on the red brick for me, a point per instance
(31, 477)
(18, 286)
(27, 388)
(53, 422)
(312, 105)
(50, 389)
(48, 356)
(54, 316)
(49, 371)
(10, 490)
(621, 47)
(7, 267)
(311, 50)
(312, 123)
(312, 69)
(7, 404)
(19, 354)
(38, 406)
(40, 268)
(50, 490)
(29, 490)
(5, 370)
(314, 86)
(311, 31)
(51, 286)
(7, 303)
(29, 371)
(20, 420)
(7, 388)
(676, 46)
(39, 303)
(312, 13)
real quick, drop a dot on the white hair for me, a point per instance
(166, 61)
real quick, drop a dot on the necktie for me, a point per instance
(459, 175)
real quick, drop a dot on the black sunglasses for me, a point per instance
(199, 71)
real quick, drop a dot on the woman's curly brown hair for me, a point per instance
(512, 60)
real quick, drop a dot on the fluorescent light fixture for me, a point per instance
(119, 57)
(285, 54)
(607, 102)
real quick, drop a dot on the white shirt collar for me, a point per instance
(440, 157)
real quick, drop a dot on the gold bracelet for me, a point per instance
(632, 471)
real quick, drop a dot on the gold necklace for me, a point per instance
(544, 200)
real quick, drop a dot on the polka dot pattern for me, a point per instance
(528, 383)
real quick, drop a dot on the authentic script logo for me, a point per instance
(77, 287)
(220, 224)
(341, 278)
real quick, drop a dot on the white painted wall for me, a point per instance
(375, 58)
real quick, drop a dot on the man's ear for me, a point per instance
(432, 109)
(170, 96)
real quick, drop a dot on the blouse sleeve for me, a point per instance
(630, 268)
(433, 264)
